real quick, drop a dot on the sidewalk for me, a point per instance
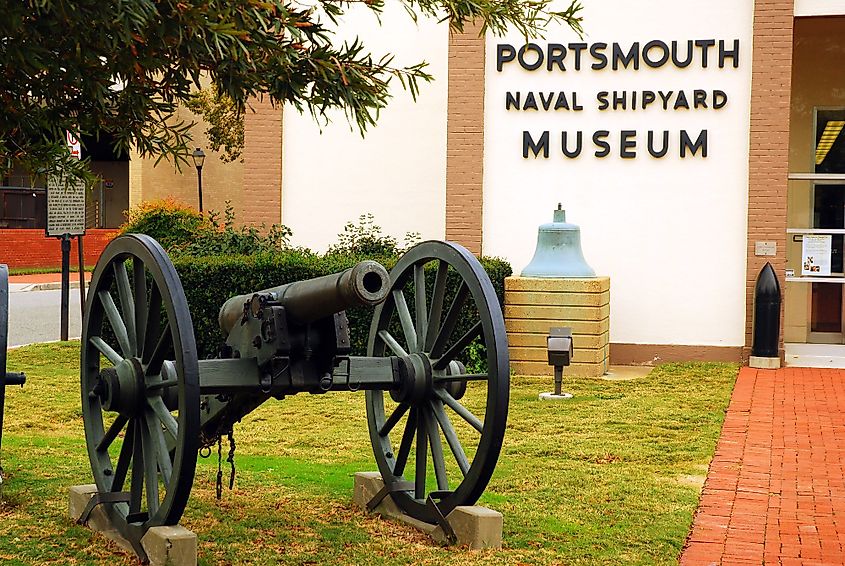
(44, 281)
(775, 491)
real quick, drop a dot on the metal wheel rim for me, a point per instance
(481, 291)
(154, 260)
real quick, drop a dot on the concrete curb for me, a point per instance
(47, 286)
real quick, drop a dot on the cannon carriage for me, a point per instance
(149, 404)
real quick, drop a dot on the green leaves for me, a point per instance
(123, 67)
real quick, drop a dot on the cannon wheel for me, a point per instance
(141, 407)
(434, 340)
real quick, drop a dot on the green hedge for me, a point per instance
(210, 281)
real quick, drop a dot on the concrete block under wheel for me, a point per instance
(165, 546)
(475, 526)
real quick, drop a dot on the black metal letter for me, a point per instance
(662, 152)
(504, 54)
(597, 51)
(627, 143)
(556, 53)
(632, 57)
(528, 144)
(521, 56)
(605, 147)
(663, 57)
(732, 54)
(700, 143)
(578, 140)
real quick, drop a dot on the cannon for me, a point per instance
(6, 378)
(150, 405)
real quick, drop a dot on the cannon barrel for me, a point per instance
(365, 284)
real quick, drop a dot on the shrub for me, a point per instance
(167, 220)
(224, 238)
(184, 231)
(366, 239)
(210, 281)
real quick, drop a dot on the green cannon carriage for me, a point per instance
(150, 405)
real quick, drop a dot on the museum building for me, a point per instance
(692, 142)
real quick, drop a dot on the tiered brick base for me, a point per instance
(532, 306)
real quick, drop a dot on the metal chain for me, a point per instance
(231, 459)
(219, 468)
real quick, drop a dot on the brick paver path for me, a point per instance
(775, 492)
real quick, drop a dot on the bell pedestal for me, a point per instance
(533, 305)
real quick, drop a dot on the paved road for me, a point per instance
(34, 316)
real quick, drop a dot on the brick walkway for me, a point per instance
(775, 492)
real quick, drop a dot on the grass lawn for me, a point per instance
(612, 476)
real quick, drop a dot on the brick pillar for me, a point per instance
(261, 201)
(768, 159)
(465, 138)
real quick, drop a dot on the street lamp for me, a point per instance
(199, 159)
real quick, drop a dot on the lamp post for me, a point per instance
(199, 159)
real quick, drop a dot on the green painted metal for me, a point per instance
(558, 252)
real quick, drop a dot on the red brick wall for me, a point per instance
(261, 200)
(465, 139)
(31, 248)
(768, 160)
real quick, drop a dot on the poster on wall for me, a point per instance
(815, 254)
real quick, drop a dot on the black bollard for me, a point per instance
(766, 314)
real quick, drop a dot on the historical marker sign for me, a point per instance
(65, 206)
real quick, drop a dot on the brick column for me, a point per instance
(261, 201)
(465, 138)
(768, 159)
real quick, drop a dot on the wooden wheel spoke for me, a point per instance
(150, 467)
(405, 445)
(458, 346)
(419, 304)
(405, 320)
(422, 456)
(139, 282)
(451, 436)
(115, 428)
(159, 353)
(450, 321)
(136, 490)
(163, 415)
(391, 343)
(438, 295)
(462, 411)
(117, 324)
(461, 377)
(152, 326)
(393, 419)
(124, 458)
(436, 451)
(127, 304)
(109, 352)
(159, 447)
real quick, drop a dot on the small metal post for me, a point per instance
(558, 379)
(65, 285)
(81, 278)
(199, 184)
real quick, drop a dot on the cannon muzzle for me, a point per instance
(365, 284)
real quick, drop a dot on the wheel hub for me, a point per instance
(417, 380)
(123, 387)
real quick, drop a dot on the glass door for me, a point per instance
(827, 323)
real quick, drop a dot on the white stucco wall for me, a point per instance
(819, 7)
(670, 232)
(398, 171)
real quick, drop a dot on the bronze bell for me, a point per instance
(558, 251)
